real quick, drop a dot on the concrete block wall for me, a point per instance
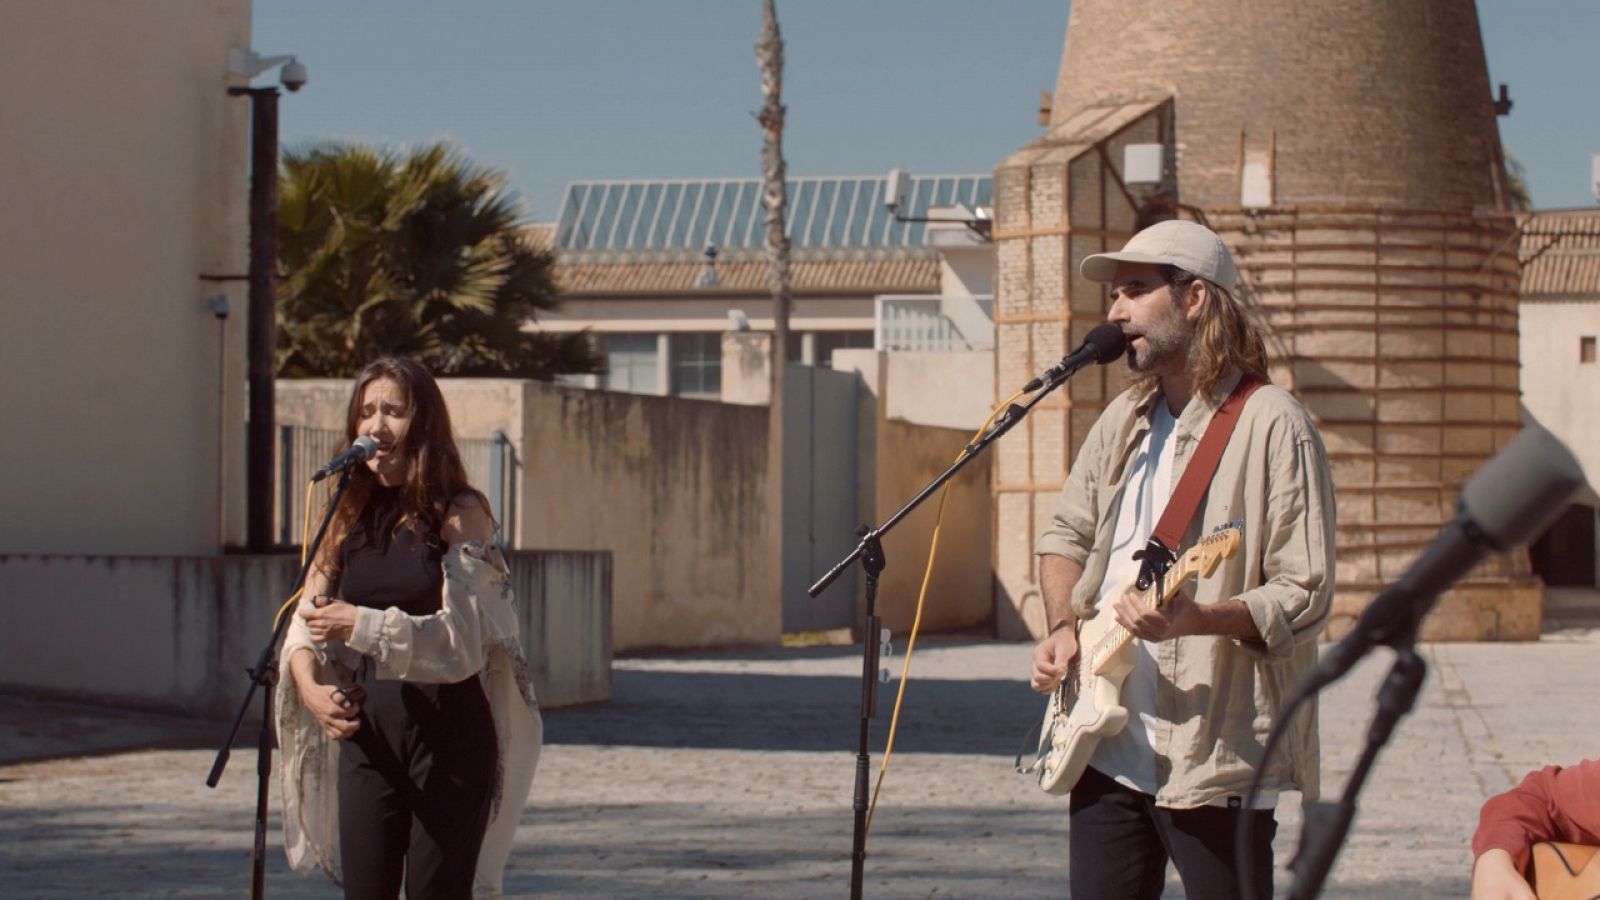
(177, 633)
(673, 487)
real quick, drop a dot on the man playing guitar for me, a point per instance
(1211, 668)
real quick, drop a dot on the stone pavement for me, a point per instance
(730, 774)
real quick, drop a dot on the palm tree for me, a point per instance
(417, 253)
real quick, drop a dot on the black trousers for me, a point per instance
(1120, 843)
(416, 785)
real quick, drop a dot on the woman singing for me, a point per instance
(408, 727)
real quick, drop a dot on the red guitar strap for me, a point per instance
(1161, 552)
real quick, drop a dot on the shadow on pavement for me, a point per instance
(742, 711)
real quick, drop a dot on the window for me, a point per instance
(829, 341)
(630, 363)
(823, 343)
(1586, 349)
(697, 363)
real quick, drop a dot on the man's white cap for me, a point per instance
(1190, 246)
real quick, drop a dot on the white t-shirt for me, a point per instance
(1129, 756)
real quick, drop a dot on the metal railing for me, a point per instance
(490, 463)
(933, 322)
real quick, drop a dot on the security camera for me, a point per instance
(293, 75)
(894, 189)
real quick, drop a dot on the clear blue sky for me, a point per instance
(553, 91)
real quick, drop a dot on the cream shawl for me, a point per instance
(474, 632)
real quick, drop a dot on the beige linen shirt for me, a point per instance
(1218, 697)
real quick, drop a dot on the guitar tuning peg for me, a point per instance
(883, 676)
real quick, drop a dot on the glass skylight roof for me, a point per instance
(728, 213)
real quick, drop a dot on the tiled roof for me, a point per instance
(870, 274)
(539, 236)
(1560, 253)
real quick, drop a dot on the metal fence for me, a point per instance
(934, 323)
(490, 463)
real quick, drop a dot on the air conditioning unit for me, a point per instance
(1141, 164)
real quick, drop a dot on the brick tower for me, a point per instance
(1347, 152)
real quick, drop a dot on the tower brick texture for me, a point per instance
(1376, 249)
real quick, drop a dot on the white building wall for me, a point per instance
(1558, 390)
(124, 181)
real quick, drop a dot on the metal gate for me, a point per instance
(820, 459)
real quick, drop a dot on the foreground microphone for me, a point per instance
(362, 450)
(1103, 344)
(1510, 501)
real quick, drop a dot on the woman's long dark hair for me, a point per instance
(434, 475)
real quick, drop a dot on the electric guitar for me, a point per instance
(1085, 708)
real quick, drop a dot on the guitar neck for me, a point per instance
(1117, 637)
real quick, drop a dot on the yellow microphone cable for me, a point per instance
(305, 546)
(916, 619)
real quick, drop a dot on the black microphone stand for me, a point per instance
(870, 552)
(265, 676)
(1326, 824)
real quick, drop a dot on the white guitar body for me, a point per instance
(1087, 707)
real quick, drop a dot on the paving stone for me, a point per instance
(730, 774)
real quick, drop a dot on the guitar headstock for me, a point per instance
(1205, 556)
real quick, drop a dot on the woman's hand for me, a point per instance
(329, 620)
(334, 711)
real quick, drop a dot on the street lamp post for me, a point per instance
(262, 320)
(258, 447)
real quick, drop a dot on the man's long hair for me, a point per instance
(1226, 337)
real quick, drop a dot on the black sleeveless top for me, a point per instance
(382, 566)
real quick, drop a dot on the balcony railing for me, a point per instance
(931, 322)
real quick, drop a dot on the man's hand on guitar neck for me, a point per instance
(1051, 658)
(1182, 616)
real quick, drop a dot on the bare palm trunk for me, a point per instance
(769, 56)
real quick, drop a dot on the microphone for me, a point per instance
(1103, 344)
(362, 450)
(1507, 503)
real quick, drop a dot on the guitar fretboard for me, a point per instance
(1118, 637)
(1202, 556)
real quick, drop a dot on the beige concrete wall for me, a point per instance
(674, 488)
(966, 270)
(1561, 393)
(946, 390)
(961, 592)
(747, 367)
(898, 458)
(124, 181)
(178, 633)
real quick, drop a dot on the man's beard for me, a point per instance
(1165, 351)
